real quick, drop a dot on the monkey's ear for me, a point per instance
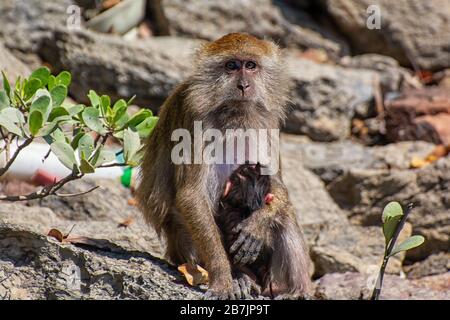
(227, 189)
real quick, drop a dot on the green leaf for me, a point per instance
(138, 117)
(119, 109)
(11, 119)
(105, 102)
(31, 86)
(410, 243)
(50, 127)
(42, 101)
(52, 82)
(146, 127)
(64, 78)
(6, 85)
(129, 102)
(392, 209)
(389, 228)
(76, 139)
(58, 94)
(85, 146)
(131, 145)
(58, 135)
(57, 112)
(43, 74)
(74, 110)
(94, 98)
(91, 117)
(86, 167)
(65, 154)
(35, 121)
(4, 100)
(102, 156)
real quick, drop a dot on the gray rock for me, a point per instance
(435, 264)
(413, 32)
(355, 286)
(110, 65)
(391, 74)
(24, 24)
(34, 266)
(333, 159)
(12, 66)
(364, 193)
(335, 244)
(211, 19)
(326, 98)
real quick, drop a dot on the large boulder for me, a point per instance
(327, 97)
(333, 159)
(35, 266)
(110, 65)
(11, 66)
(363, 194)
(211, 19)
(335, 244)
(415, 33)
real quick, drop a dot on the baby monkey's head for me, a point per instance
(247, 188)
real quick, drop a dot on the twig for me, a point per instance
(377, 290)
(16, 153)
(67, 195)
(5, 137)
(46, 191)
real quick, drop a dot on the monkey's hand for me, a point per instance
(249, 243)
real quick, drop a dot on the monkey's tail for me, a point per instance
(290, 261)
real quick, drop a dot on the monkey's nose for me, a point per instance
(243, 86)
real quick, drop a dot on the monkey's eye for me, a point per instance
(250, 65)
(233, 65)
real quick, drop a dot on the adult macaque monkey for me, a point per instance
(239, 81)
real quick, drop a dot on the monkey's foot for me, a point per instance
(245, 286)
(294, 296)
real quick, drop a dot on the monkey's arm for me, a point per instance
(258, 229)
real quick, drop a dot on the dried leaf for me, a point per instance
(55, 233)
(439, 152)
(125, 223)
(418, 163)
(132, 202)
(195, 275)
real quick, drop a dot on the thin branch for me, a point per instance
(112, 165)
(46, 191)
(67, 195)
(16, 153)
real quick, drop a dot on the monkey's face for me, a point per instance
(239, 77)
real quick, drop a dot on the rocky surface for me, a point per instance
(413, 32)
(210, 19)
(113, 66)
(344, 286)
(420, 114)
(363, 193)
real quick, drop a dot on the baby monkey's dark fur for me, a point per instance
(246, 191)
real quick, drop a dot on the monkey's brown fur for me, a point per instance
(180, 201)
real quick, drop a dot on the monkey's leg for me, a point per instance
(180, 248)
(199, 220)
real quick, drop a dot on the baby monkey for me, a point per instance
(245, 192)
